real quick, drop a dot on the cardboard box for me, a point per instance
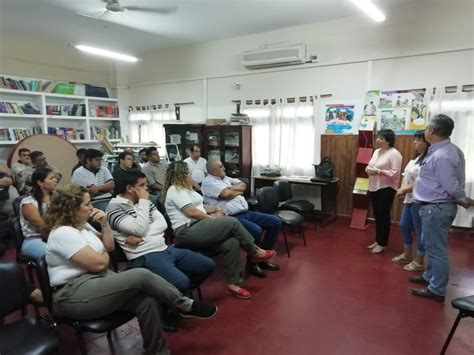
(215, 121)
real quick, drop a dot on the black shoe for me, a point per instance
(418, 280)
(266, 265)
(426, 293)
(200, 310)
(254, 269)
(170, 320)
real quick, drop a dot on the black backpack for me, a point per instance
(325, 169)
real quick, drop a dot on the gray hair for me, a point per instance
(442, 125)
(212, 165)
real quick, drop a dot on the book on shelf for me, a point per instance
(96, 91)
(24, 85)
(66, 110)
(111, 132)
(67, 133)
(19, 109)
(361, 186)
(104, 111)
(16, 134)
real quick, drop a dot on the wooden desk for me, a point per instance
(328, 211)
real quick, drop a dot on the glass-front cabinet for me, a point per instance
(180, 139)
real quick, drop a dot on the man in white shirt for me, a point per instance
(227, 193)
(197, 166)
(139, 230)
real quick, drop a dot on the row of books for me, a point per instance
(71, 88)
(67, 132)
(16, 134)
(109, 132)
(9, 83)
(17, 108)
(66, 110)
(104, 111)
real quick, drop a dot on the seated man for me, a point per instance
(125, 162)
(224, 192)
(155, 171)
(139, 227)
(22, 171)
(143, 158)
(38, 159)
(197, 167)
(96, 178)
(81, 159)
(8, 192)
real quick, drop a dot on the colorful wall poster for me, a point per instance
(394, 119)
(371, 102)
(339, 118)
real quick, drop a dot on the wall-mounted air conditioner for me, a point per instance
(274, 56)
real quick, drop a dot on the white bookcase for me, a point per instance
(42, 100)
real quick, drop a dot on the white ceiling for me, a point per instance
(186, 22)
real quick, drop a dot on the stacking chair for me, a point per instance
(17, 204)
(101, 325)
(285, 196)
(27, 335)
(268, 202)
(465, 305)
(20, 258)
(251, 200)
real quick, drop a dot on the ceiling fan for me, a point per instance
(114, 7)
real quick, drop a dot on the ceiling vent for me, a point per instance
(275, 56)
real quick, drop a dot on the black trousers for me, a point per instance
(381, 205)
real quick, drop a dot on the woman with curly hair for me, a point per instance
(32, 209)
(205, 228)
(85, 288)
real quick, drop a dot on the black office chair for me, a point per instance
(27, 335)
(465, 305)
(268, 203)
(101, 325)
(17, 204)
(285, 195)
(20, 257)
(251, 200)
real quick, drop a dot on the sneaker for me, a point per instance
(372, 246)
(200, 310)
(378, 249)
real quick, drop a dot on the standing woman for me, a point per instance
(32, 209)
(205, 228)
(411, 220)
(384, 176)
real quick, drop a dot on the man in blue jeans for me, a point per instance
(139, 230)
(439, 188)
(227, 193)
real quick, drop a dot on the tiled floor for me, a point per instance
(332, 297)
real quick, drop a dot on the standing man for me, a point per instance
(22, 170)
(439, 188)
(154, 171)
(197, 166)
(96, 178)
(227, 193)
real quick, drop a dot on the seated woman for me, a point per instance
(32, 209)
(85, 288)
(196, 230)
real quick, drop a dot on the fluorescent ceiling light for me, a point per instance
(106, 53)
(370, 9)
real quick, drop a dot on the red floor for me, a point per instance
(332, 297)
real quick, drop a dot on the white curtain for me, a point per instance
(460, 107)
(147, 126)
(284, 136)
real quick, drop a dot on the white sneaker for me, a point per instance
(378, 249)
(372, 246)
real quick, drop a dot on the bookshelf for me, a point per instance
(74, 117)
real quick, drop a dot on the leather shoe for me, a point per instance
(254, 269)
(426, 293)
(266, 265)
(418, 280)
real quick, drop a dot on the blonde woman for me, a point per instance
(85, 288)
(205, 228)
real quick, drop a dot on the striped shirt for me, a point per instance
(84, 177)
(142, 220)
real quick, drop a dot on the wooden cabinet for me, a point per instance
(230, 144)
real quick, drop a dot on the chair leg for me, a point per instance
(451, 333)
(286, 242)
(301, 231)
(80, 339)
(314, 214)
(199, 293)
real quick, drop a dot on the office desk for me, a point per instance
(328, 211)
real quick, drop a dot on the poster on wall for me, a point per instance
(339, 119)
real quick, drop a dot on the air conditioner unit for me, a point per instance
(274, 56)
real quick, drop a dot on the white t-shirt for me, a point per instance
(412, 170)
(63, 243)
(176, 200)
(27, 228)
(198, 169)
(212, 186)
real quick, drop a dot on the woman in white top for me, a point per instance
(411, 220)
(195, 229)
(32, 209)
(85, 288)
(384, 176)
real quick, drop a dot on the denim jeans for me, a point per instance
(182, 268)
(409, 222)
(257, 222)
(436, 219)
(33, 248)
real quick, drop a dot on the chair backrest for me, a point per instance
(43, 280)
(16, 205)
(284, 190)
(13, 290)
(267, 199)
(19, 237)
(247, 186)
